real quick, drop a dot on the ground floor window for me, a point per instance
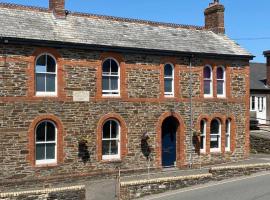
(215, 135)
(203, 136)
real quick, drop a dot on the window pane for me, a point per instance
(40, 82)
(50, 132)
(207, 87)
(206, 72)
(202, 127)
(168, 70)
(106, 130)
(168, 85)
(114, 129)
(50, 82)
(202, 142)
(40, 151)
(106, 66)
(40, 132)
(50, 151)
(106, 147)
(105, 83)
(214, 141)
(220, 74)
(227, 141)
(41, 61)
(40, 68)
(50, 64)
(220, 87)
(114, 67)
(114, 83)
(114, 147)
(215, 127)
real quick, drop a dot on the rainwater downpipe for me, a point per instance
(190, 111)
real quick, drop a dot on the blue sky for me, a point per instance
(246, 21)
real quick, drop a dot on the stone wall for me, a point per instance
(70, 193)
(259, 144)
(140, 105)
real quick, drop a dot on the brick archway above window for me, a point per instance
(123, 134)
(59, 141)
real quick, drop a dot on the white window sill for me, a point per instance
(215, 150)
(46, 94)
(111, 158)
(45, 162)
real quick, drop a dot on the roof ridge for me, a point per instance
(107, 17)
(142, 21)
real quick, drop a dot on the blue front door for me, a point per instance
(168, 149)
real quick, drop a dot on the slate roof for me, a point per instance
(40, 24)
(258, 76)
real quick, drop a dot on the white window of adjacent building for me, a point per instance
(221, 86)
(260, 101)
(215, 136)
(208, 81)
(46, 75)
(110, 78)
(252, 103)
(169, 80)
(203, 136)
(111, 140)
(228, 135)
(45, 142)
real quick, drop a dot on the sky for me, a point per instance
(246, 21)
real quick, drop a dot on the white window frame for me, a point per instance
(224, 81)
(46, 161)
(219, 134)
(116, 156)
(169, 94)
(117, 92)
(211, 81)
(203, 134)
(38, 93)
(228, 135)
(251, 101)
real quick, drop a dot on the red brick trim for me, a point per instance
(123, 137)
(60, 73)
(123, 84)
(180, 141)
(31, 139)
(207, 134)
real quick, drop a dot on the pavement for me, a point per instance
(254, 187)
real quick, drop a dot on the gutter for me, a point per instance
(59, 44)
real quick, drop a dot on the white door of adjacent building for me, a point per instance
(258, 104)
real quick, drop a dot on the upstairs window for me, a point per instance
(168, 80)
(203, 136)
(208, 83)
(228, 135)
(110, 78)
(221, 82)
(215, 135)
(45, 72)
(111, 140)
(45, 142)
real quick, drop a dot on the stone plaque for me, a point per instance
(80, 96)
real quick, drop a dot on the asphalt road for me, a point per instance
(255, 187)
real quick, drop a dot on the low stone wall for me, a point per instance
(64, 193)
(137, 189)
(220, 173)
(259, 144)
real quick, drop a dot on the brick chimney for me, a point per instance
(214, 17)
(267, 55)
(58, 8)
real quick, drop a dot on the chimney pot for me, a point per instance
(58, 8)
(214, 17)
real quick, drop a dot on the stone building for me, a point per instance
(82, 94)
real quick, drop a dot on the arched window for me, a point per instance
(110, 78)
(221, 92)
(228, 135)
(208, 83)
(203, 136)
(46, 75)
(215, 135)
(111, 140)
(45, 142)
(168, 80)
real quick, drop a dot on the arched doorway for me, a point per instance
(169, 134)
